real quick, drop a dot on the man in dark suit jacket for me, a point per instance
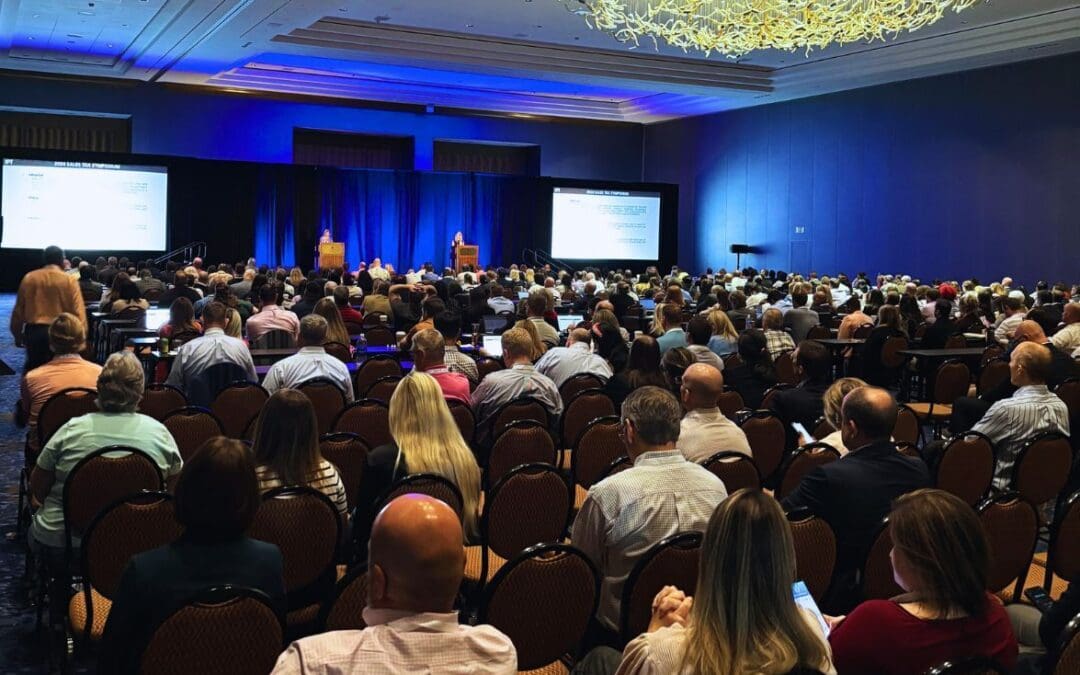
(855, 493)
(803, 404)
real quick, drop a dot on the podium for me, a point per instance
(331, 255)
(467, 254)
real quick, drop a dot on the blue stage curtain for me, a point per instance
(275, 216)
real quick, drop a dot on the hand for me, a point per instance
(670, 607)
(834, 621)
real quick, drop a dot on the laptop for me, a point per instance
(648, 304)
(568, 321)
(156, 318)
(493, 345)
(494, 324)
(522, 295)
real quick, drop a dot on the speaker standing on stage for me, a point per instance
(458, 241)
(326, 238)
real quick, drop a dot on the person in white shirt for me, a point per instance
(1014, 314)
(562, 363)
(214, 348)
(377, 271)
(698, 333)
(1068, 338)
(704, 430)
(498, 300)
(628, 513)
(415, 566)
(310, 362)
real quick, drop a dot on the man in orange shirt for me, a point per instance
(43, 295)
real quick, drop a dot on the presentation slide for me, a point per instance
(83, 206)
(597, 224)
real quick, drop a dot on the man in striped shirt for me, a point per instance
(1032, 410)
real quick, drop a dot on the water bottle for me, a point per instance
(361, 345)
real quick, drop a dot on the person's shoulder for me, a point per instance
(877, 611)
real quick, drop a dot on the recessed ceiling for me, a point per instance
(509, 56)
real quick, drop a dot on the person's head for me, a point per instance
(429, 349)
(812, 361)
(1030, 364)
(537, 302)
(744, 617)
(644, 354)
(671, 316)
(833, 399)
(798, 297)
(53, 255)
(889, 315)
(1071, 313)
(772, 319)
(517, 346)
(675, 362)
(67, 334)
(341, 297)
(1030, 331)
(702, 385)
(1013, 305)
(416, 556)
(287, 437)
(939, 552)
(181, 313)
(579, 336)
(432, 306)
(449, 325)
(335, 326)
(868, 416)
(699, 330)
(214, 315)
(217, 493)
(312, 330)
(268, 295)
(738, 300)
(721, 325)
(752, 346)
(651, 418)
(942, 309)
(120, 384)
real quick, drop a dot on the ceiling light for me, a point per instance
(736, 27)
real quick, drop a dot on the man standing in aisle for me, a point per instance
(44, 294)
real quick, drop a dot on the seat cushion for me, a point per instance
(77, 613)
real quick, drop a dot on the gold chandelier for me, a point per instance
(737, 27)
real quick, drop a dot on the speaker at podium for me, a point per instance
(331, 255)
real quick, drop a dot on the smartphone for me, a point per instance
(1040, 599)
(806, 601)
(800, 429)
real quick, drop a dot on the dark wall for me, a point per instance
(976, 173)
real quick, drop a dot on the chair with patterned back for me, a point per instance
(1069, 391)
(1042, 468)
(966, 467)
(522, 442)
(543, 601)
(132, 525)
(673, 561)
(531, 504)
(348, 453)
(803, 461)
(344, 609)
(485, 365)
(368, 419)
(204, 387)
(596, 447)
(735, 470)
(957, 341)
(771, 393)
(353, 328)
(785, 369)
(338, 351)
(183, 336)
(863, 331)
(993, 374)
(1011, 524)
(464, 419)
(424, 484)
(580, 382)
(1064, 658)
(973, 665)
(327, 398)
(1063, 553)
(584, 407)
(950, 383)
(891, 360)
(876, 576)
(375, 367)
(383, 388)
(730, 402)
(222, 630)
(237, 405)
(920, 330)
(191, 426)
(732, 361)
(275, 339)
(372, 319)
(815, 551)
(521, 408)
(818, 332)
(62, 406)
(159, 400)
(822, 428)
(304, 524)
(379, 336)
(907, 428)
(765, 433)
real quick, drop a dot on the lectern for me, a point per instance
(331, 255)
(467, 254)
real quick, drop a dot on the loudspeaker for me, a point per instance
(740, 248)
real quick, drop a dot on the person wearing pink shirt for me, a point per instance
(429, 356)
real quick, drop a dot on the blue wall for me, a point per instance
(970, 174)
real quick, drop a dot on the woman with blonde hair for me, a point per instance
(742, 617)
(336, 331)
(832, 401)
(426, 440)
(539, 346)
(725, 339)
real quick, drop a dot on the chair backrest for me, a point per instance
(222, 630)
(191, 426)
(1069, 391)
(863, 331)
(464, 418)
(955, 342)
(890, 352)
(597, 446)
(327, 398)
(344, 609)
(368, 419)
(237, 405)
(1065, 656)
(204, 387)
(353, 328)
(818, 332)
(953, 378)
(907, 428)
(815, 551)
(1063, 554)
(993, 374)
(159, 400)
(765, 433)
(522, 408)
(730, 402)
(372, 319)
(966, 467)
(275, 339)
(732, 361)
(580, 382)
(909, 449)
(877, 572)
(424, 484)
(383, 388)
(674, 561)
(771, 392)
(618, 466)
(805, 460)
(486, 365)
(62, 406)
(101, 478)
(785, 369)
(375, 367)
(348, 454)
(338, 351)
(531, 504)
(379, 336)
(522, 442)
(974, 665)
(543, 600)
(1042, 467)
(1011, 524)
(735, 470)
(584, 407)
(303, 523)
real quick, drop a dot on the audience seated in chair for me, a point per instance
(800, 318)
(777, 341)
(449, 326)
(562, 363)
(194, 358)
(803, 403)
(642, 370)
(756, 374)
(271, 316)
(704, 430)
(831, 405)
(310, 362)
(699, 333)
(429, 356)
(661, 495)
(216, 499)
(415, 567)
(670, 319)
(1040, 633)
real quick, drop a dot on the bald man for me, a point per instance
(562, 363)
(1068, 338)
(1032, 410)
(705, 430)
(416, 562)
